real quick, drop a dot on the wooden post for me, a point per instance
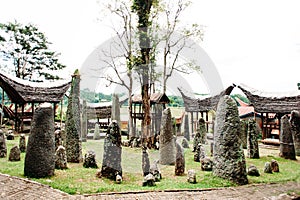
(16, 117)
(2, 103)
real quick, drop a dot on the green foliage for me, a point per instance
(176, 101)
(26, 53)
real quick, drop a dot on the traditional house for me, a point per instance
(22, 92)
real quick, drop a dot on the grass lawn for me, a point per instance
(80, 180)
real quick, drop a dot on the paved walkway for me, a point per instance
(17, 188)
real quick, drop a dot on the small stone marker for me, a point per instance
(149, 180)
(155, 171)
(90, 160)
(185, 143)
(14, 154)
(206, 164)
(268, 168)
(253, 171)
(191, 176)
(274, 166)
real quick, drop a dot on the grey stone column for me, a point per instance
(287, 149)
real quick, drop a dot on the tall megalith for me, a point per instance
(167, 149)
(73, 122)
(287, 149)
(40, 152)
(229, 159)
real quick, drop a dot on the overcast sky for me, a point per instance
(253, 42)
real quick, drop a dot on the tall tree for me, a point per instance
(174, 39)
(122, 51)
(143, 10)
(26, 50)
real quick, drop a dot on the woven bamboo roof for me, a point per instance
(22, 91)
(203, 105)
(272, 102)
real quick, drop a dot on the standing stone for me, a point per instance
(252, 143)
(199, 153)
(287, 149)
(96, 132)
(90, 160)
(229, 159)
(115, 109)
(3, 148)
(22, 143)
(191, 176)
(274, 165)
(58, 138)
(73, 129)
(202, 131)
(84, 122)
(186, 127)
(111, 164)
(295, 122)
(145, 161)
(40, 153)
(268, 168)
(166, 140)
(61, 158)
(180, 161)
(185, 143)
(244, 133)
(211, 148)
(14, 154)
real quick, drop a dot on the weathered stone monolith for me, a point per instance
(84, 128)
(186, 127)
(61, 158)
(167, 140)
(73, 122)
(287, 149)
(14, 154)
(180, 160)
(3, 148)
(58, 138)
(229, 159)
(274, 165)
(40, 153)
(199, 153)
(155, 171)
(96, 132)
(112, 154)
(185, 143)
(89, 160)
(145, 161)
(244, 133)
(252, 143)
(268, 168)
(22, 143)
(295, 123)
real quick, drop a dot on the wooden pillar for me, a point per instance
(206, 116)
(16, 118)
(192, 119)
(2, 106)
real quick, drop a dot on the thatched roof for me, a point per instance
(22, 91)
(272, 102)
(155, 98)
(99, 110)
(203, 105)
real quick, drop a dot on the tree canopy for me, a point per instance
(25, 53)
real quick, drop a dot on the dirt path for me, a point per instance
(12, 188)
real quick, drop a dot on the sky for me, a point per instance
(255, 42)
